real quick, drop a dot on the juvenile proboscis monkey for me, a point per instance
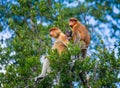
(60, 45)
(69, 34)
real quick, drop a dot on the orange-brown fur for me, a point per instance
(79, 30)
(61, 40)
(80, 34)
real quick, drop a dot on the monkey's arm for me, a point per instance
(59, 45)
(77, 37)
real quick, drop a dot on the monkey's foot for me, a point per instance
(40, 77)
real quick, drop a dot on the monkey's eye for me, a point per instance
(71, 21)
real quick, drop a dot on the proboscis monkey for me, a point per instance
(60, 45)
(80, 34)
(61, 41)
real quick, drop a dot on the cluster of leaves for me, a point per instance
(30, 40)
(102, 69)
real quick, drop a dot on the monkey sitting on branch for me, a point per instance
(80, 34)
(81, 37)
(60, 45)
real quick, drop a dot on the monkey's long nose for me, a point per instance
(71, 26)
(50, 34)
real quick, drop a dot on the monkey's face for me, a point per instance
(54, 33)
(72, 22)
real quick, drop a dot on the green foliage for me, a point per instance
(30, 39)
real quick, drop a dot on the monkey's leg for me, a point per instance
(83, 51)
(45, 69)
